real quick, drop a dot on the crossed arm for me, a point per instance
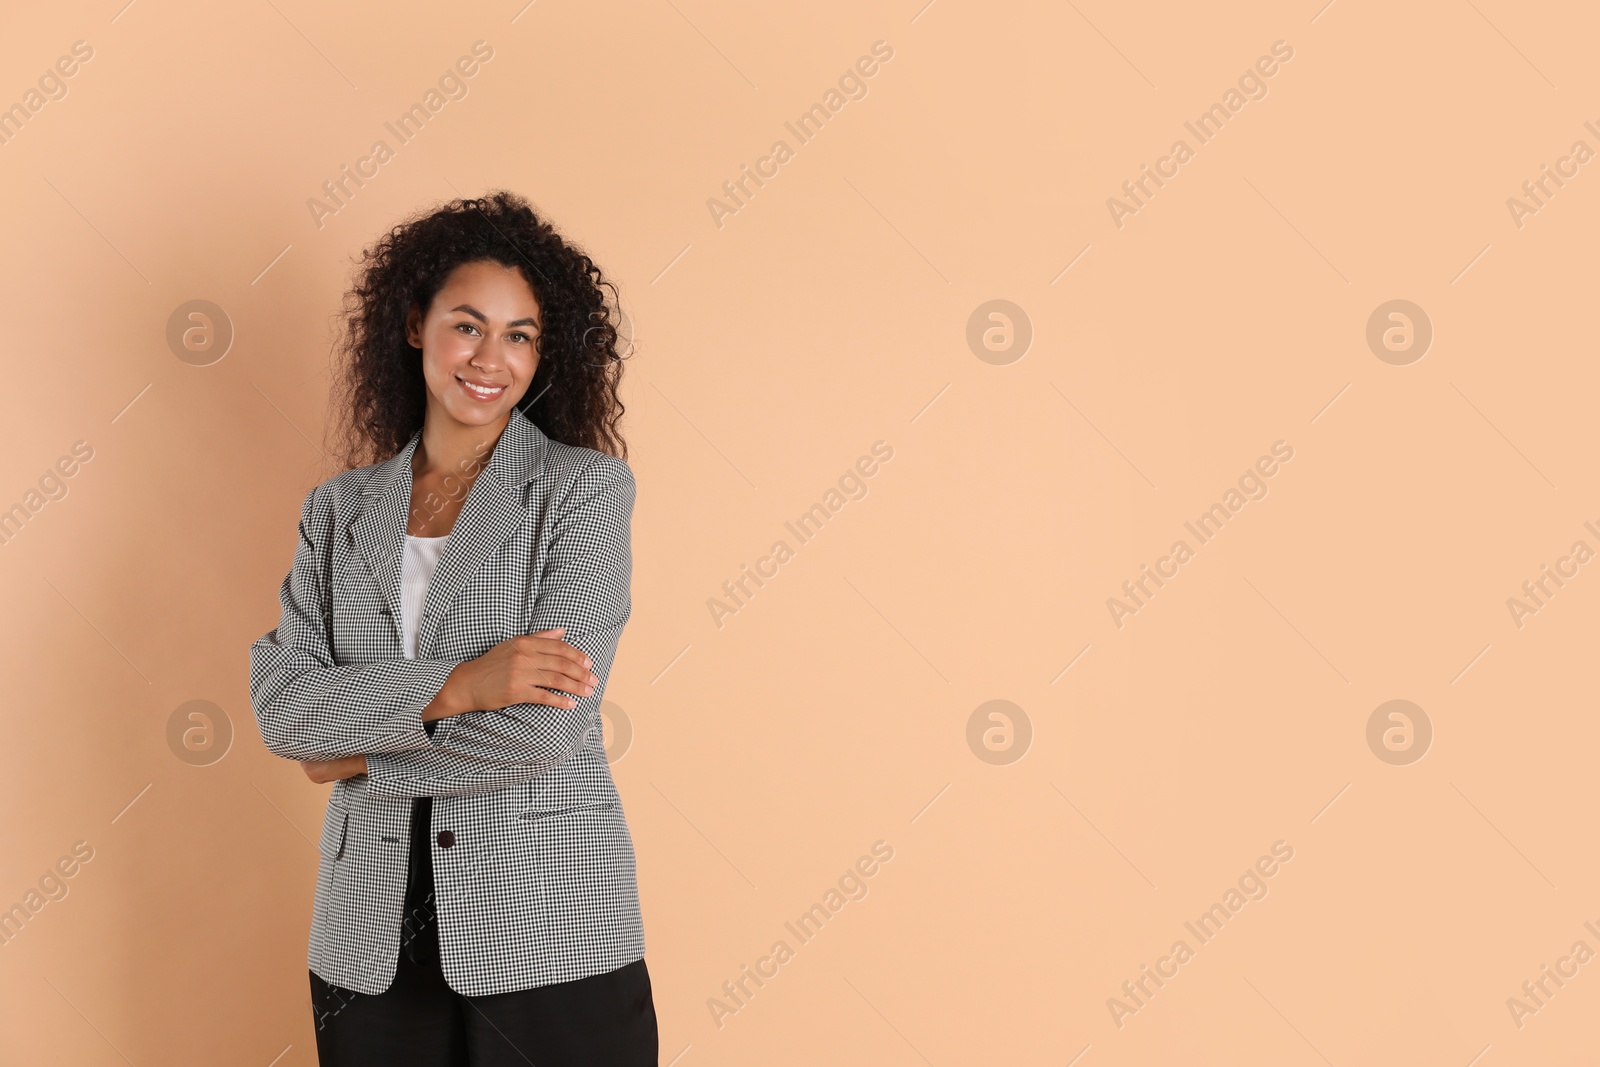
(309, 708)
(541, 667)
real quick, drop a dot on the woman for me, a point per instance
(448, 624)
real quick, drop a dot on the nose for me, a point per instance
(487, 356)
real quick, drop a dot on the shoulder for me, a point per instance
(576, 473)
(339, 497)
(588, 490)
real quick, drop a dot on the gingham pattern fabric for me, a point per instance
(539, 884)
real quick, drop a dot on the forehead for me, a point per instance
(487, 283)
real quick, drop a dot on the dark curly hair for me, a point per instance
(380, 394)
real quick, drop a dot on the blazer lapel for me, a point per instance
(489, 516)
(382, 523)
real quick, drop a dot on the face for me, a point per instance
(477, 341)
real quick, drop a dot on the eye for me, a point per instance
(524, 336)
(467, 325)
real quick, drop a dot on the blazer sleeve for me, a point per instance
(584, 588)
(308, 708)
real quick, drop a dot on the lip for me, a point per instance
(499, 391)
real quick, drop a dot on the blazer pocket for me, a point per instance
(334, 826)
(550, 813)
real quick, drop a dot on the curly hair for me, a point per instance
(380, 394)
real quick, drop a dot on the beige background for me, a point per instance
(830, 312)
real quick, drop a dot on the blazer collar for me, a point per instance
(489, 516)
(517, 457)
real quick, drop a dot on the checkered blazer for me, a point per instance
(538, 885)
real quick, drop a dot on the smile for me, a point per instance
(481, 392)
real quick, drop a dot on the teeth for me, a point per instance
(481, 391)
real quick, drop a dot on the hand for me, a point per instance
(331, 770)
(536, 669)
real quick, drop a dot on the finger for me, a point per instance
(540, 642)
(565, 666)
(565, 674)
(557, 656)
(553, 698)
(574, 690)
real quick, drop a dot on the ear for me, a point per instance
(414, 327)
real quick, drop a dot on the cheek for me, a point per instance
(434, 371)
(450, 343)
(442, 354)
(526, 362)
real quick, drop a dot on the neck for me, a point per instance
(451, 447)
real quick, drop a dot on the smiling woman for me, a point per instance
(447, 631)
(474, 373)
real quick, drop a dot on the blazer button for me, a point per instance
(446, 838)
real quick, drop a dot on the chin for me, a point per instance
(481, 416)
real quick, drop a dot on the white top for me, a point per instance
(421, 557)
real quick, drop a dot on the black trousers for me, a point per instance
(419, 1021)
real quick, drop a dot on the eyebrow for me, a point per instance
(475, 313)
